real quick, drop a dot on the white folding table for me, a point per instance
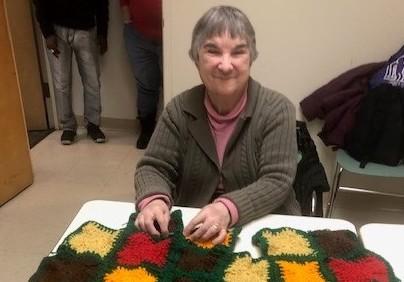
(115, 215)
(386, 240)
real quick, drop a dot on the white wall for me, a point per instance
(302, 44)
(118, 91)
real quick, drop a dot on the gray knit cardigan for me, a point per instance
(259, 163)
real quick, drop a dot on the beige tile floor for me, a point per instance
(65, 177)
(68, 176)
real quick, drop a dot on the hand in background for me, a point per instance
(210, 223)
(103, 44)
(52, 45)
(156, 212)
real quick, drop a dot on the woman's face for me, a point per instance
(224, 65)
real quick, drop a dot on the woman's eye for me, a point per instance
(213, 51)
(239, 52)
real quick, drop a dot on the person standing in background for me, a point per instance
(80, 27)
(143, 40)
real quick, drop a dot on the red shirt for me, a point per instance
(146, 17)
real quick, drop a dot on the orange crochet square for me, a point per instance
(209, 245)
(296, 272)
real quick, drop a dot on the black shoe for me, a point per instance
(67, 137)
(95, 133)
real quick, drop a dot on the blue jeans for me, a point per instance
(146, 61)
(84, 45)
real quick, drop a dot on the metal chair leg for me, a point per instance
(313, 204)
(334, 190)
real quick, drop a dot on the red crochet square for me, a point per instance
(368, 268)
(140, 248)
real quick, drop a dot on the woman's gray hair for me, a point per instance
(219, 20)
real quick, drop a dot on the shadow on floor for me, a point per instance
(36, 136)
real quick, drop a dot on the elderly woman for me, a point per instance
(227, 146)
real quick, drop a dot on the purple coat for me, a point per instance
(337, 103)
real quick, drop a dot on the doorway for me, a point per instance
(33, 88)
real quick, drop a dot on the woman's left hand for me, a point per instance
(210, 223)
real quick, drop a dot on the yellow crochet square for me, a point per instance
(296, 272)
(287, 242)
(121, 274)
(93, 238)
(244, 269)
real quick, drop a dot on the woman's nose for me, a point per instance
(225, 64)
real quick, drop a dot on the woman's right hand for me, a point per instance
(156, 212)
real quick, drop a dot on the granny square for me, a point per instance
(95, 253)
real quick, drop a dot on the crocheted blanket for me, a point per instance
(97, 253)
